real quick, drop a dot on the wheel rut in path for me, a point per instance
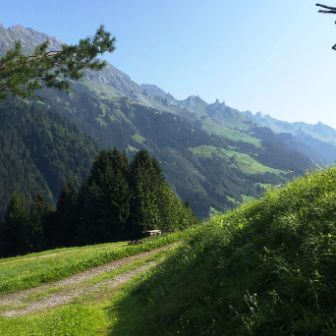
(70, 288)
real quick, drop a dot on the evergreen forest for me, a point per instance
(119, 200)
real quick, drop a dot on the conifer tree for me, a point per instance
(40, 210)
(154, 205)
(62, 228)
(88, 228)
(145, 179)
(104, 200)
(21, 74)
(13, 230)
(174, 214)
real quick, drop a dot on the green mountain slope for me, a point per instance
(318, 141)
(39, 151)
(214, 181)
(319, 131)
(266, 268)
(109, 107)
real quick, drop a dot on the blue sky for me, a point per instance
(261, 55)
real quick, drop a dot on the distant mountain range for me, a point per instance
(213, 155)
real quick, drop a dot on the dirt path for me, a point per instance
(68, 289)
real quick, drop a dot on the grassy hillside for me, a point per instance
(241, 161)
(79, 302)
(267, 268)
(34, 269)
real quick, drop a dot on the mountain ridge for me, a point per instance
(214, 156)
(110, 76)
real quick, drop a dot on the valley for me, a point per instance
(128, 210)
(108, 109)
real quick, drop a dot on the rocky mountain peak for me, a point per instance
(28, 37)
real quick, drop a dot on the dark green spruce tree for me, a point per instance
(40, 212)
(154, 205)
(61, 229)
(14, 229)
(174, 214)
(145, 180)
(104, 200)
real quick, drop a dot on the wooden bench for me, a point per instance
(152, 232)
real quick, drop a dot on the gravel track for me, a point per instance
(69, 289)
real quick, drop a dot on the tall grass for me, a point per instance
(70, 320)
(267, 268)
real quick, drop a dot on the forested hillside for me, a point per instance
(210, 166)
(119, 200)
(40, 152)
(213, 155)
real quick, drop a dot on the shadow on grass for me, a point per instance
(182, 296)
(273, 275)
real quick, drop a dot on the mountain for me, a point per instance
(318, 141)
(40, 151)
(319, 131)
(214, 156)
(28, 37)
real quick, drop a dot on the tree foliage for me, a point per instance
(40, 211)
(40, 152)
(61, 227)
(21, 75)
(122, 199)
(118, 201)
(104, 199)
(14, 229)
(146, 181)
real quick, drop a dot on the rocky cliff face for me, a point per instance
(28, 37)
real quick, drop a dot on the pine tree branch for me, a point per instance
(21, 75)
(49, 54)
(326, 9)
